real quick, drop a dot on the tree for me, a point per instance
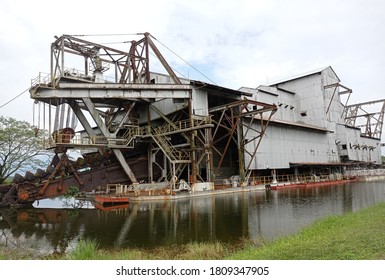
(19, 149)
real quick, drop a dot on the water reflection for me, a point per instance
(262, 215)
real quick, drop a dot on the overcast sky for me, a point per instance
(233, 43)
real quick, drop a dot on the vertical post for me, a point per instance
(241, 151)
(173, 178)
(116, 72)
(44, 125)
(49, 124)
(62, 111)
(194, 167)
(62, 57)
(274, 179)
(56, 121)
(86, 66)
(68, 119)
(296, 174)
(147, 67)
(209, 155)
(52, 66)
(150, 170)
(164, 166)
(149, 154)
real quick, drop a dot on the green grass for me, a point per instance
(354, 236)
(11, 254)
(88, 250)
(84, 250)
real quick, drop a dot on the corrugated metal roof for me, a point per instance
(302, 125)
(223, 90)
(309, 73)
(268, 90)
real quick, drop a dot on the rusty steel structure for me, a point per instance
(138, 127)
(368, 116)
(372, 120)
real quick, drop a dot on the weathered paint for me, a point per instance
(309, 125)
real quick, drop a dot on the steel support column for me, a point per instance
(118, 153)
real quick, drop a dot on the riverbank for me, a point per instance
(353, 236)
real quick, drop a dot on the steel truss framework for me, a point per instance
(372, 120)
(237, 119)
(128, 67)
(185, 141)
(369, 116)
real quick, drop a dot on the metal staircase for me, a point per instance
(173, 154)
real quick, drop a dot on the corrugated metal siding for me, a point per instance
(200, 103)
(282, 145)
(319, 107)
(358, 148)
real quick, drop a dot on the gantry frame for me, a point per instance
(237, 119)
(111, 106)
(372, 120)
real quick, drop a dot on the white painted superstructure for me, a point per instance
(309, 126)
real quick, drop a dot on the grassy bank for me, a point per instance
(354, 236)
(87, 250)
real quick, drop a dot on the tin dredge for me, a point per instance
(149, 135)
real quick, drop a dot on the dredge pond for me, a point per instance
(56, 225)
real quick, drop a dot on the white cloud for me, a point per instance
(234, 43)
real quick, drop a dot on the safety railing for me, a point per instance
(294, 179)
(173, 153)
(365, 172)
(46, 78)
(79, 140)
(184, 124)
(42, 78)
(118, 189)
(133, 131)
